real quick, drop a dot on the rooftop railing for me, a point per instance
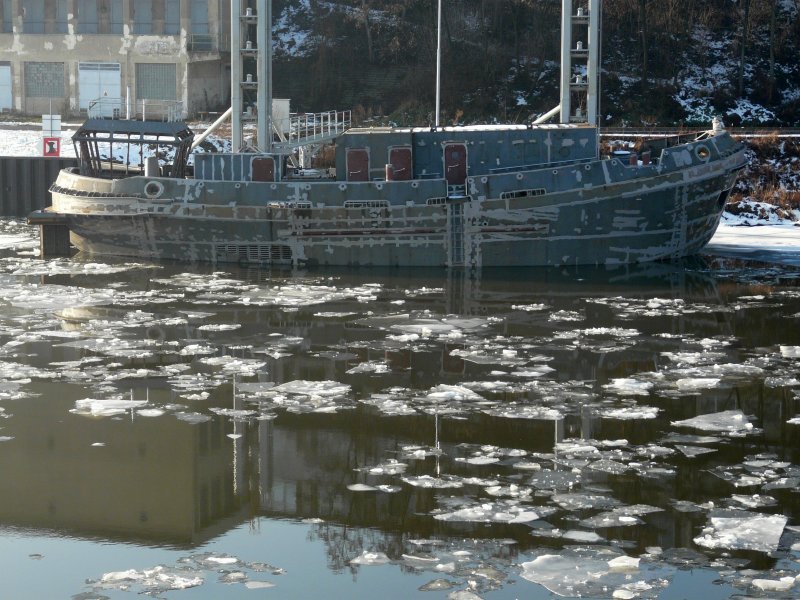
(146, 110)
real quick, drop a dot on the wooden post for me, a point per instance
(53, 233)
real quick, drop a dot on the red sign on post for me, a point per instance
(51, 146)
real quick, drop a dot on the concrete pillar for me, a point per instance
(186, 16)
(16, 15)
(72, 16)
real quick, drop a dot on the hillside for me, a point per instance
(668, 62)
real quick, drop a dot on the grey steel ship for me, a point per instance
(480, 196)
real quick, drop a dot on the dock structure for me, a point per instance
(53, 233)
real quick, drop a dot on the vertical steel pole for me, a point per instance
(566, 58)
(593, 66)
(438, 64)
(264, 75)
(236, 74)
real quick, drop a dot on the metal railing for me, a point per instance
(146, 110)
(309, 128)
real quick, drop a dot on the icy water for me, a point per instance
(188, 433)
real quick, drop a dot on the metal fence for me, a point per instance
(25, 182)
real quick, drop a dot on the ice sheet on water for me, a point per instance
(431, 482)
(423, 324)
(107, 407)
(577, 501)
(547, 479)
(630, 413)
(629, 386)
(193, 418)
(753, 501)
(694, 451)
(232, 364)
(684, 359)
(740, 530)
(593, 571)
(301, 396)
(52, 297)
(700, 440)
(728, 421)
(370, 558)
(28, 267)
(373, 366)
(529, 307)
(151, 581)
(525, 411)
(611, 467)
(503, 511)
(566, 316)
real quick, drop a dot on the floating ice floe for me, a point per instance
(630, 413)
(629, 387)
(728, 421)
(368, 558)
(108, 407)
(693, 451)
(504, 511)
(784, 584)
(428, 481)
(592, 571)
(742, 531)
(156, 580)
(376, 367)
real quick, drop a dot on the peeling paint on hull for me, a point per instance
(611, 214)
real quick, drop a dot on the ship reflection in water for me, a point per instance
(468, 434)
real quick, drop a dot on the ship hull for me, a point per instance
(597, 212)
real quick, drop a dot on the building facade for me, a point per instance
(61, 56)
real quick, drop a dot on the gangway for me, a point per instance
(310, 128)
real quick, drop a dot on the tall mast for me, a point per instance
(243, 19)
(237, 106)
(438, 63)
(576, 89)
(264, 74)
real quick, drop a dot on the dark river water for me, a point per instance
(185, 432)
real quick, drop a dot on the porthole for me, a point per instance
(587, 167)
(378, 186)
(484, 179)
(153, 189)
(702, 152)
(519, 176)
(342, 186)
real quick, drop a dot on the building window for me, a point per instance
(172, 17)
(44, 80)
(115, 23)
(156, 81)
(199, 16)
(33, 16)
(87, 16)
(8, 20)
(61, 24)
(143, 17)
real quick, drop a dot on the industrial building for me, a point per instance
(60, 56)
